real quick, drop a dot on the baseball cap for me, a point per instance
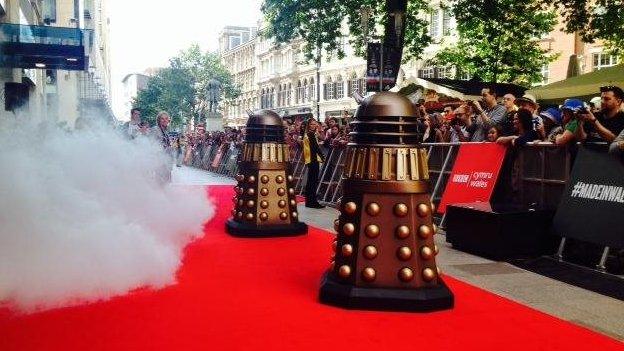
(553, 114)
(573, 105)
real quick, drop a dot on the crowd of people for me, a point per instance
(507, 120)
(521, 120)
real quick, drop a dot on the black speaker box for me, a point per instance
(500, 231)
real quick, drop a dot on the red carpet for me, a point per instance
(242, 294)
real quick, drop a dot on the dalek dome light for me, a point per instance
(386, 119)
(264, 126)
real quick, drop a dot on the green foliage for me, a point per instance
(319, 23)
(594, 20)
(499, 40)
(181, 88)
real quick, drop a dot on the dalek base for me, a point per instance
(349, 296)
(244, 230)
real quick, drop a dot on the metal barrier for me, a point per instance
(533, 175)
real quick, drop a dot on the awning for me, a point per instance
(43, 47)
(583, 87)
(465, 89)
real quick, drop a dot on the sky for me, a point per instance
(146, 33)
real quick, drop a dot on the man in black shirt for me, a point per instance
(609, 122)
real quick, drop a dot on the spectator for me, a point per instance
(567, 134)
(160, 133)
(460, 121)
(607, 123)
(617, 146)
(313, 157)
(133, 127)
(492, 112)
(528, 102)
(523, 123)
(479, 128)
(509, 102)
(551, 119)
(332, 133)
(494, 133)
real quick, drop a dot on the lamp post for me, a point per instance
(318, 81)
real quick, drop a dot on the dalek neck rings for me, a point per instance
(265, 203)
(384, 254)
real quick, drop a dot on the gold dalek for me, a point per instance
(264, 204)
(385, 253)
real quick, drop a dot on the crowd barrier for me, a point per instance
(532, 175)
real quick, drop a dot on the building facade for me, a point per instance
(132, 84)
(54, 62)
(286, 83)
(237, 47)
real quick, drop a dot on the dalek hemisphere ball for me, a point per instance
(384, 254)
(264, 201)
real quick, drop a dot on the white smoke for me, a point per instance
(82, 217)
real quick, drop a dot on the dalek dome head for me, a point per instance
(386, 118)
(264, 126)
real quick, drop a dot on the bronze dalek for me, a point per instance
(385, 253)
(264, 204)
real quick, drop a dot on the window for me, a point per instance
(427, 72)
(311, 90)
(446, 22)
(298, 93)
(602, 60)
(444, 72)
(328, 89)
(49, 11)
(288, 94)
(434, 25)
(234, 42)
(339, 88)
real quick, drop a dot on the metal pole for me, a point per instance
(318, 82)
(446, 161)
(603, 259)
(381, 67)
(559, 254)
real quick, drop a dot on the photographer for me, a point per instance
(460, 122)
(492, 112)
(478, 129)
(607, 123)
(567, 134)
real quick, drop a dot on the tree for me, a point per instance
(181, 88)
(594, 20)
(319, 24)
(499, 40)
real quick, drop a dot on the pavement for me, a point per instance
(579, 306)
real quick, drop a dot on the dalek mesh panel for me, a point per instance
(265, 203)
(384, 254)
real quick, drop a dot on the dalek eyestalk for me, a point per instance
(264, 204)
(384, 255)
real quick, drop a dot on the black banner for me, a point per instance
(373, 66)
(592, 207)
(383, 61)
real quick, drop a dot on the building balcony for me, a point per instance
(44, 47)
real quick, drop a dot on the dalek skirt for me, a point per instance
(265, 203)
(384, 253)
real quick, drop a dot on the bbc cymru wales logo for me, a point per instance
(598, 192)
(474, 180)
(461, 178)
